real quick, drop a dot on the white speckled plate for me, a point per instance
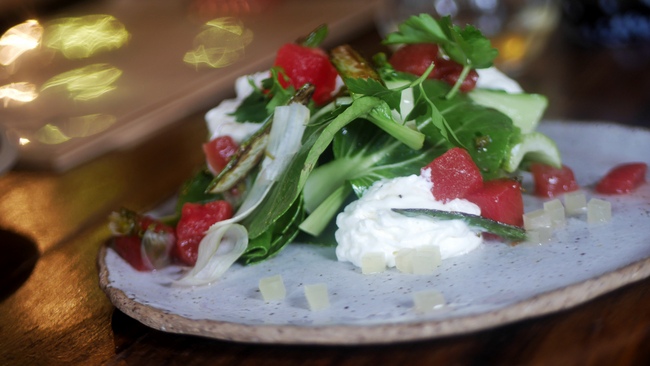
(493, 285)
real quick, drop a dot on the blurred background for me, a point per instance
(79, 78)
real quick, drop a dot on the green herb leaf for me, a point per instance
(315, 38)
(486, 133)
(467, 46)
(252, 108)
(287, 189)
(508, 232)
(270, 242)
(194, 190)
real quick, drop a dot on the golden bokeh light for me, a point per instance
(87, 82)
(74, 127)
(221, 43)
(82, 37)
(21, 92)
(18, 40)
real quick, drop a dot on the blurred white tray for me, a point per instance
(156, 87)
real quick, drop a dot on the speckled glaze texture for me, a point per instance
(493, 285)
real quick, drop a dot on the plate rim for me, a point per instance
(536, 306)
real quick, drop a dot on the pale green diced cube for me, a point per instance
(428, 300)
(272, 288)
(540, 235)
(555, 210)
(575, 203)
(426, 259)
(536, 219)
(404, 260)
(598, 211)
(373, 262)
(317, 296)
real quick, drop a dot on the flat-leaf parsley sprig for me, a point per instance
(467, 45)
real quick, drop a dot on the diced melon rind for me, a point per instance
(272, 288)
(575, 203)
(598, 211)
(404, 260)
(540, 235)
(556, 212)
(536, 219)
(317, 296)
(373, 262)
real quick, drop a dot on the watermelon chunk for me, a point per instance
(195, 220)
(416, 58)
(623, 178)
(500, 200)
(550, 181)
(454, 174)
(218, 152)
(303, 65)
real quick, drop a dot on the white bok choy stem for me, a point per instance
(285, 139)
(218, 250)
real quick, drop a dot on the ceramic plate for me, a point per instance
(494, 285)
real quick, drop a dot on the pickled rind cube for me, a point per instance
(272, 288)
(373, 262)
(317, 296)
(428, 300)
(540, 235)
(556, 212)
(422, 260)
(426, 259)
(404, 260)
(575, 203)
(598, 211)
(537, 219)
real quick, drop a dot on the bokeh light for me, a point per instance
(82, 37)
(21, 92)
(87, 82)
(74, 127)
(220, 44)
(18, 40)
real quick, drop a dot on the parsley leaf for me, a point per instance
(252, 108)
(467, 46)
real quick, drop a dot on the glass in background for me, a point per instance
(610, 23)
(519, 29)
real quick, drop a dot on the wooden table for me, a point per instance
(52, 310)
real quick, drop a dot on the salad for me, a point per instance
(318, 132)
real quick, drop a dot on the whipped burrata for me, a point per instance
(368, 225)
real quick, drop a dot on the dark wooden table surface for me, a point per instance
(52, 310)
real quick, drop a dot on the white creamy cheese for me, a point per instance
(369, 225)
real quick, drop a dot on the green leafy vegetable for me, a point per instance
(315, 37)
(485, 133)
(281, 233)
(467, 45)
(359, 75)
(194, 190)
(363, 154)
(288, 188)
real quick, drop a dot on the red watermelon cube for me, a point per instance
(500, 200)
(454, 175)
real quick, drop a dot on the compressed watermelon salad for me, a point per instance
(423, 147)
